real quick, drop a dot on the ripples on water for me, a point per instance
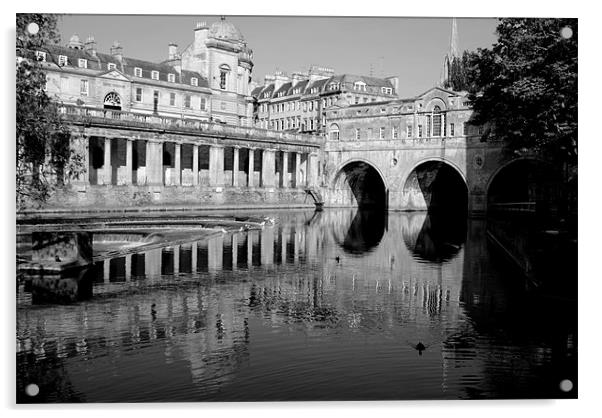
(324, 306)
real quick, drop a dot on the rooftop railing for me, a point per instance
(140, 120)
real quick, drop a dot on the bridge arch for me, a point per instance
(359, 182)
(435, 184)
(521, 183)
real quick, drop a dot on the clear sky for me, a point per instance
(410, 48)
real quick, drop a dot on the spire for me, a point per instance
(452, 53)
(453, 43)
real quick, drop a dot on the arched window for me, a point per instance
(334, 132)
(437, 121)
(112, 101)
(224, 70)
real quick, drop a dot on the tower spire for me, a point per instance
(453, 43)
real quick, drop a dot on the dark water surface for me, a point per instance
(320, 306)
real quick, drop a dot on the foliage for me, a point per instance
(460, 72)
(525, 88)
(44, 156)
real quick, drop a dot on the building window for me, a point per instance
(172, 99)
(357, 100)
(84, 88)
(428, 125)
(452, 130)
(365, 100)
(359, 86)
(409, 131)
(171, 78)
(194, 81)
(357, 133)
(311, 106)
(386, 90)
(203, 103)
(138, 94)
(138, 72)
(437, 121)
(480, 129)
(381, 133)
(63, 60)
(419, 131)
(394, 134)
(370, 133)
(155, 75)
(465, 129)
(187, 101)
(305, 106)
(222, 105)
(82, 63)
(41, 56)
(223, 76)
(111, 66)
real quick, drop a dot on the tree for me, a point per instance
(525, 88)
(44, 156)
(460, 71)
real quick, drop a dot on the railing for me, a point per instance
(522, 207)
(132, 119)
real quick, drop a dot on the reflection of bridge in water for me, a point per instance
(196, 308)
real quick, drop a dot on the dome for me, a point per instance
(222, 29)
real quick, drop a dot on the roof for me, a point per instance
(284, 88)
(370, 81)
(127, 65)
(224, 30)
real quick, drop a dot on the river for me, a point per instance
(332, 305)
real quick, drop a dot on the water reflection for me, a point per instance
(364, 233)
(288, 313)
(435, 237)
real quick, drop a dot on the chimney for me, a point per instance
(200, 33)
(90, 45)
(173, 51)
(117, 51)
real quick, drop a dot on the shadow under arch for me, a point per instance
(359, 183)
(524, 184)
(436, 185)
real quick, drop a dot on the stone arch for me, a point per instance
(359, 183)
(523, 184)
(435, 184)
(112, 100)
(436, 101)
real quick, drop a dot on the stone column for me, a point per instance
(296, 244)
(178, 164)
(195, 165)
(128, 267)
(268, 168)
(284, 169)
(251, 167)
(107, 163)
(298, 170)
(154, 163)
(249, 249)
(312, 170)
(235, 168)
(176, 259)
(234, 252)
(129, 160)
(216, 166)
(193, 257)
(106, 270)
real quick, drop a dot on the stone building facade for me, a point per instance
(208, 80)
(299, 102)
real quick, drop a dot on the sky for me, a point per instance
(410, 48)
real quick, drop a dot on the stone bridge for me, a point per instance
(412, 174)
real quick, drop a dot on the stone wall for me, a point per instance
(112, 196)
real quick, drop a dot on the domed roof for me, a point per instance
(222, 29)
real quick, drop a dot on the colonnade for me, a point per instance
(131, 161)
